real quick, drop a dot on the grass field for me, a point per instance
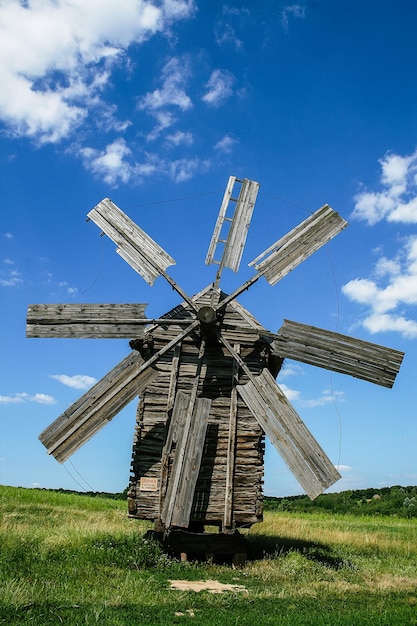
(76, 560)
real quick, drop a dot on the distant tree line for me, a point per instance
(392, 501)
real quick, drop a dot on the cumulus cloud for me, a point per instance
(290, 369)
(389, 294)
(291, 394)
(326, 397)
(19, 398)
(79, 381)
(116, 164)
(171, 96)
(184, 169)
(111, 164)
(396, 197)
(180, 138)
(219, 87)
(172, 92)
(226, 144)
(56, 57)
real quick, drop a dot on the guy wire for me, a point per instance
(331, 373)
(88, 484)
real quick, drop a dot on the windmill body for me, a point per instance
(205, 375)
(221, 476)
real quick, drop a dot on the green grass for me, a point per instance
(74, 560)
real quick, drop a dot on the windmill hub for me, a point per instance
(207, 317)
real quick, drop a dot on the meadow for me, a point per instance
(77, 560)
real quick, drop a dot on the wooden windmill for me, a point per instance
(205, 374)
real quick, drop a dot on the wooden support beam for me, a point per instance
(228, 525)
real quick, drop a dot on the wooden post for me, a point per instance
(228, 525)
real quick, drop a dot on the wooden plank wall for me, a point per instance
(153, 417)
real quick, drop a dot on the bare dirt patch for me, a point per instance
(212, 586)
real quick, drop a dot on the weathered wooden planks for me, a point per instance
(234, 240)
(289, 251)
(189, 439)
(85, 320)
(102, 402)
(96, 407)
(288, 434)
(133, 244)
(337, 352)
(224, 495)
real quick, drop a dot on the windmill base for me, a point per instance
(212, 547)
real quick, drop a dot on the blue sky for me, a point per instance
(154, 105)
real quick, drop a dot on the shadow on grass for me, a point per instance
(263, 546)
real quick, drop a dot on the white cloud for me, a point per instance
(11, 276)
(180, 138)
(42, 398)
(344, 468)
(184, 169)
(218, 87)
(291, 394)
(396, 198)
(56, 57)
(110, 164)
(79, 381)
(18, 398)
(226, 144)
(392, 288)
(327, 397)
(171, 94)
(293, 10)
(8, 235)
(116, 164)
(225, 34)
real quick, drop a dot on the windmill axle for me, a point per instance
(207, 317)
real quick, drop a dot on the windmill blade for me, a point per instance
(338, 353)
(285, 429)
(289, 251)
(292, 249)
(235, 238)
(102, 402)
(188, 431)
(92, 321)
(96, 407)
(86, 320)
(288, 434)
(133, 244)
(141, 252)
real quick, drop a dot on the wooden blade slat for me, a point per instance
(305, 239)
(239, 224)
(288, 434)
(85, 320)
(134, 245)
(219, 222)
(96, 407)
(338, 353)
